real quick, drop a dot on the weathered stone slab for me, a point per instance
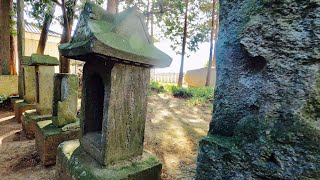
(44, 88)
(29, 84)
(40, 60)
(13, 100)
(29, 119)
(267, 98)
(74, 163)
(48, 137)
(113, 110)
(20, 106)
(65, 98)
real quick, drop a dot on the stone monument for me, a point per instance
(29, 89)
(118, 55)
(266, 120)
(43, 66)
(64, 124)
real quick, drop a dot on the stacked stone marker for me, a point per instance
(118, 53)
(267, 100)
(64, 124)
(29, 89)
(43, 66)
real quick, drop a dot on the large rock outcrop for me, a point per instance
(266, 120)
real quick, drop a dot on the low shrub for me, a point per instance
(157, 87)
(4, 101)
(181, 92)
(196, 95)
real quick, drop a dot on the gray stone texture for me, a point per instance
(267, 100)
(45, 89)
(65, 99)
(74, 163)
(113, 113)
(29, 84)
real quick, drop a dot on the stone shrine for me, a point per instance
(43, 66)
(64, 124)
(118, 55)
(266, 120)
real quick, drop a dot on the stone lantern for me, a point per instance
(118, 54)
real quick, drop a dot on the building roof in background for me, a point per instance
(32, 28)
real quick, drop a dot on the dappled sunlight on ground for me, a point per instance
(173, 129)
(18, 159)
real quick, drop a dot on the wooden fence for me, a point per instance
(165, 77)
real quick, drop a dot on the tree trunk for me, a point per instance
(112, 6)
(209, 73)
(5, 37)
(185, 29)
(65, 38)
(20, 39)
(44, 32)
(12, 47)
(12, 57)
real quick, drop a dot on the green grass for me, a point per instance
(4, 101)
(195, 95)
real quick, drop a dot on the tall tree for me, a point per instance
(112, 6)
(45, 30)
(68, 12)
(20, 39)
(213, 36)
(185, 33)
(5, 37)
(12, 46)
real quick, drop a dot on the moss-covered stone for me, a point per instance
(65, 99)
(29, 119)
(108, 35)
(48, 137)
(29, 89)
(73, 162)
(267, 97)
(46, 60)
(20, 107)
(45, 89)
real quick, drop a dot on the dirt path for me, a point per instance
(173, 130)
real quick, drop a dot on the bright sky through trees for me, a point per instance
(196, 60)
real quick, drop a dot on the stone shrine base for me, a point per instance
(74, 163)
(48, 137)
(29, 119)
(13, 100)
(20, 106)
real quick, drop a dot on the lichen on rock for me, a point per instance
(267, 95)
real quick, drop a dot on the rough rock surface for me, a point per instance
(266, 121)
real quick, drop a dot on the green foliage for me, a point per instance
(156, 87)
(181, 92)
(3, 98)
(195, 95)
(171, 23)
(4, 101)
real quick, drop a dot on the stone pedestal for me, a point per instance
(74, 163)
(20, 106)
(13, 100)
(64, 124)
(29, 120)
(48, 137)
